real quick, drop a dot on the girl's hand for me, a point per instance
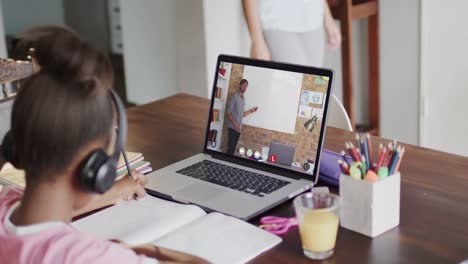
(132, 188)
(165, 255)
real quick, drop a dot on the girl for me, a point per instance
(62, 114)
(48, 38)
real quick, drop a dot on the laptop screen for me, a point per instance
(268, 113)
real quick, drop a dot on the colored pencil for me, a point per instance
(379, 155)
(358, 141)
(388, 155)
(344, 167)
(343, 154)
(363, 167)
(394, 161)
(371, 150)
(350, 151)
(353, 152)
(381, 159)
(366, 153)
(348, 148)
(397, 168)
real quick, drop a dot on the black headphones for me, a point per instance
(98, 171)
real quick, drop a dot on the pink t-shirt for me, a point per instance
(53, 242)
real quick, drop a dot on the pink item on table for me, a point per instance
(277, 225)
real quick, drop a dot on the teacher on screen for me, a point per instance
(235, 113)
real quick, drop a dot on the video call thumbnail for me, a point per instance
(268, 115)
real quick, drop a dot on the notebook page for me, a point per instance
(12, 176)
(138, 222)
(220, 239)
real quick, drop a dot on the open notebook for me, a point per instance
(187, 228)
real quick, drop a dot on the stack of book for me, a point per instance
(136, 161)
(9, 175)
(215, 115)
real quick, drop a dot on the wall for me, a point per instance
(89, 18)
(225, 32)
(3, 49)
(190, 46)
(149, 45)
(399, 69)
(444, 78)
(164, 49)
(21, 14)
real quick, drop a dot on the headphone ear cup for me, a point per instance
(105, 176)
(98, 172)
(9, 150)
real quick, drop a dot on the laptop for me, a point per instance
(257, 107)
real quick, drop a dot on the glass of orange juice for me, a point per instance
(318, 215)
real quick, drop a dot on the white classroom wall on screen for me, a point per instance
(276, 94)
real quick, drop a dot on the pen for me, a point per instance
(129, 170)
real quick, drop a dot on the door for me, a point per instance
(444, 75)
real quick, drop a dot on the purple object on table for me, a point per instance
(329, 169)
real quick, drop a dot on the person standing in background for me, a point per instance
(291, 31)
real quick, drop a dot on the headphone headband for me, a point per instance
(122, 126)
(99, 170)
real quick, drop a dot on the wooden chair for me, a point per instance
(346, 11)
(337, 116)
(11, 71)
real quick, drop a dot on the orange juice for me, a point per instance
(318, 230)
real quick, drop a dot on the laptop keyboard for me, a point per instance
(234, 178)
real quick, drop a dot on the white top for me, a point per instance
(27, 230)
(291, 15)
(36, 228)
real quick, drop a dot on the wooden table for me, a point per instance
(434, 191)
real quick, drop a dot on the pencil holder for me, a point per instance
(370, 208)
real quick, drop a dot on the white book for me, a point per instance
(187, 228)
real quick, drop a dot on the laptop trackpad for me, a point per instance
(198, 193)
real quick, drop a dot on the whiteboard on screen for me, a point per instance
(276, 93)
